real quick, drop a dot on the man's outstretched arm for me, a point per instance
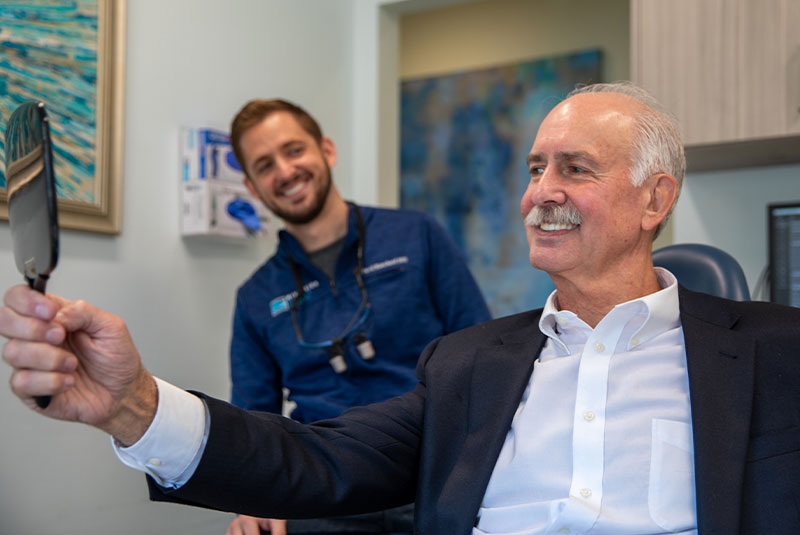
(253, 463)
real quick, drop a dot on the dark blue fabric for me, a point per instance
(419, 287)
(396, 521)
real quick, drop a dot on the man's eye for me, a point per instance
(537, 170)
(263, 168)
(295, 151)
(574, 169)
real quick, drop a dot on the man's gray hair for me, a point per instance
(658, 147)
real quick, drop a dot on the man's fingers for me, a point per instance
(250, 525)
(276, 526)
(16, 325)
(81, 316)
(32, 303)
(39, 369)
(20, 354)
(236, 527)
(29, 383)
(28, 315)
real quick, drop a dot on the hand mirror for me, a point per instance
(30, 182)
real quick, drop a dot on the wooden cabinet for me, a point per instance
(729, 70)
(769, 67)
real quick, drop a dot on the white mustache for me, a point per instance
(557, 214)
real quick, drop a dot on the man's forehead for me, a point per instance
(595, 107)
(585, 121)
(281, 122)
(276, 129)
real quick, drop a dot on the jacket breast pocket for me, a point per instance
(774, 444)
(771, 499)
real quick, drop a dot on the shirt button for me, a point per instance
(599, 347)
(634, 342)
(154, 462)
(586, 493)
(563, 530)
(588, 416)
(561, 321)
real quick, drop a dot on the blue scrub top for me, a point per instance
(419, 288)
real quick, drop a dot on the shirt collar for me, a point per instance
(288, 245)
(658, 312)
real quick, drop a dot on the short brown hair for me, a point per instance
(256, 111)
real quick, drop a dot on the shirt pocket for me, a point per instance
(671, 494)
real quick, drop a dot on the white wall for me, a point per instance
(189, 62)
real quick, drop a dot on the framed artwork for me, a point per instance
(71, 56)
(463, 143)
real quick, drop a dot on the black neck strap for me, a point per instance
(357, 271)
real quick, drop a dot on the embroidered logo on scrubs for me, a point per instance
(278, 305)
(398, 260)
(283, 303)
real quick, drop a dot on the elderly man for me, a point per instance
(628, 405)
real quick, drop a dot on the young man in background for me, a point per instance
(339, 315)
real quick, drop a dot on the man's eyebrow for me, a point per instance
(263, 157)
(575, 155)
(564, 156)
(535, 158)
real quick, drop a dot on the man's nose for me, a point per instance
(284, 167)
(547, 188)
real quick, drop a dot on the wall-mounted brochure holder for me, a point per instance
(214, 202)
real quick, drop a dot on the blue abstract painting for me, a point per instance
(464, 140)
(48, 52)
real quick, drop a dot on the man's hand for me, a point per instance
(250, 525)
(83, 357)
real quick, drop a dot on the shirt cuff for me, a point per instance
(171, 448)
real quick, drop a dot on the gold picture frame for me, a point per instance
(86, 115)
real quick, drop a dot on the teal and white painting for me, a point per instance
(464, 140)
(48, 52)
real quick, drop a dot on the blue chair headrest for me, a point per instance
(704, 268)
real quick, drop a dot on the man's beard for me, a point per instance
(320, 196)
(557, 214)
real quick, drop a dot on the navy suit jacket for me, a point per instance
(439, 443)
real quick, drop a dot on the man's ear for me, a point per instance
(328, 151)
(662, 190)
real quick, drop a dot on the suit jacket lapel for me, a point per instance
(500, 375)
(720, 363)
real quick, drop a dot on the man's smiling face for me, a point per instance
(286, 167)
(583, 215)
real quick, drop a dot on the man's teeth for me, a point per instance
(294, 189)
(552, 227)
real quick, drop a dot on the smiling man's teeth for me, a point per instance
(552, 227)
(294, 189)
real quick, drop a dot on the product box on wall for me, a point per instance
(214, 200)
